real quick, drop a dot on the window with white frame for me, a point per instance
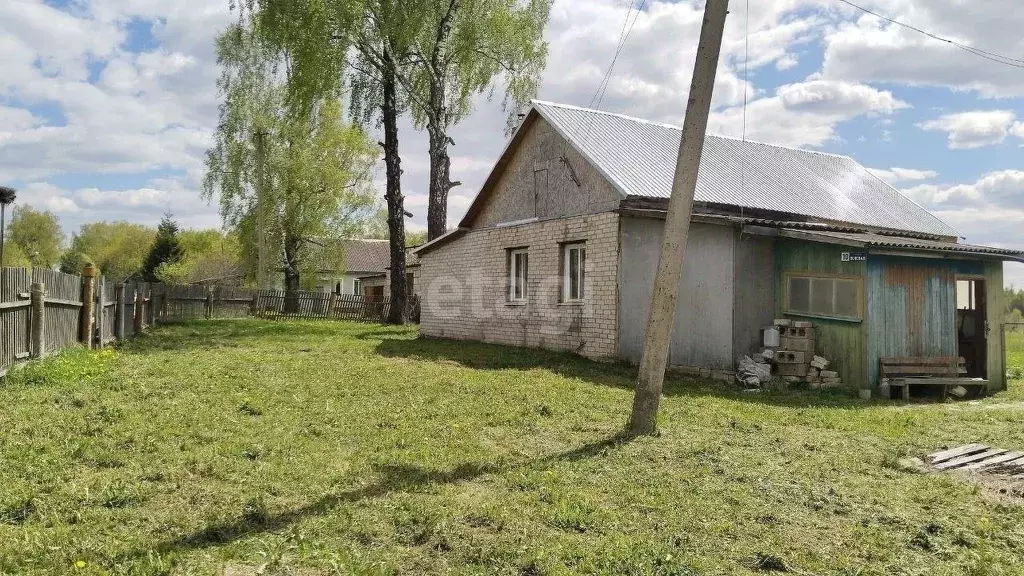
(357, 287)
(834, 297)
(574, 260)
(518, 275)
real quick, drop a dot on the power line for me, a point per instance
(992, 56)
(622, 44)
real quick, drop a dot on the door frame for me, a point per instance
(981, 310)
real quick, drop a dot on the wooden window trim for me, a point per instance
(859, 280)
(511, 279)
(566, 288)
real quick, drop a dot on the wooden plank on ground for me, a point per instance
(944, 455)
(1006, 458)
(968, 459)
(940, 370)
(922, 361)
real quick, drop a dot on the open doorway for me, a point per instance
(971, 327)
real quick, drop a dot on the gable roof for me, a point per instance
(639, 157)
(366, 255)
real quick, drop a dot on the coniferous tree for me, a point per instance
(166, 249)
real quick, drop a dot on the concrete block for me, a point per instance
(790, 357)
(794, 332)
(800, 344)
(783, 322)
(802, 324)
(829, 374)
(792, 370)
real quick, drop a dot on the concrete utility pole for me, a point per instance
(662, 314)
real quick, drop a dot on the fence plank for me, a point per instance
(14, 322)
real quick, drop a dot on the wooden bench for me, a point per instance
(947, 372)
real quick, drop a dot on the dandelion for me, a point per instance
(81, 564)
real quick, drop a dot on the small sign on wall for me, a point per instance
(854, 257)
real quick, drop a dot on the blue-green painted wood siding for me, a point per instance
(911, 308)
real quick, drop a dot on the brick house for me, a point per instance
(560, 246)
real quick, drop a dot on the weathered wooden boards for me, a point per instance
(949, 373)
(979, 458)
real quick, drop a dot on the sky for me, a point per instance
(107, 107)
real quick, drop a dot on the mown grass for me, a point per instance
(1015, 352)
(230, 447)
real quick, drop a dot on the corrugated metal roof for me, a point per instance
(870, 239)
(639, 158)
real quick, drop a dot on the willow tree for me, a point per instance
(366, 46)
(463, 48)
(290, 175)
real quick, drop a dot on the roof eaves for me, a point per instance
(440, 241)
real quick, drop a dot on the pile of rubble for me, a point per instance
(789, 347)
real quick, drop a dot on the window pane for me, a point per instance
(583, 265)
(822, 292)
(800, 294)
(526, 273)
(574, 273)
(846, 299)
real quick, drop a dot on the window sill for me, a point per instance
(826, 317)
(515, 304)
(573, 303)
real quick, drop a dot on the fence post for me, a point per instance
(209, 302)
(88, 303)
(101, 284)
(119, 311)
(151, 309)
(38, 349)
(140, 308)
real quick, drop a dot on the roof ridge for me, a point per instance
(675, 127)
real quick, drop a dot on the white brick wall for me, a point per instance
(464, 292)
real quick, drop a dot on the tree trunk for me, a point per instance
(398, 312)
(440, 177)
(291, 279)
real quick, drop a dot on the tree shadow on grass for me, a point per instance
(391, 478)
(616, 374)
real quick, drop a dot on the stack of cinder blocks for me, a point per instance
(796, 349)
(819, 376)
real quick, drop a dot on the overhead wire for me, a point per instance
(986, 54)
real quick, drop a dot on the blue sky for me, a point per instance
(107, 106)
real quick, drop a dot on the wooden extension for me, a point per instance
(947, 372)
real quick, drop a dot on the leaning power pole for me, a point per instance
(662, 313)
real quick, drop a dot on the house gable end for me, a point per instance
(531, 181)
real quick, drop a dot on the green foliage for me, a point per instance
(317, 169)
(118, 249)
(208, 255)
(334, 448)
(489, 43)
(166, 249)
(14, 257)
(37, 234)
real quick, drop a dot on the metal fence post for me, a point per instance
(38, 320)
(119, 311)
(88, 304)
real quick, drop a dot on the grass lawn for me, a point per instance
(225, 447)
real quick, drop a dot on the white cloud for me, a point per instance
(805, 113)
(1000, 190)
(869, 49)
(975, 129)
(900, 175)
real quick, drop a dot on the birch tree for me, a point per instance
(463, 48)
(286, 172)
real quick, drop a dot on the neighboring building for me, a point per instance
(559, 250)
(365, 262)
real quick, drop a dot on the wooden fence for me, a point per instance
(176, 303)
(43, 311)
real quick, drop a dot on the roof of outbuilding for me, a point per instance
(366, 255)
(639, 158)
